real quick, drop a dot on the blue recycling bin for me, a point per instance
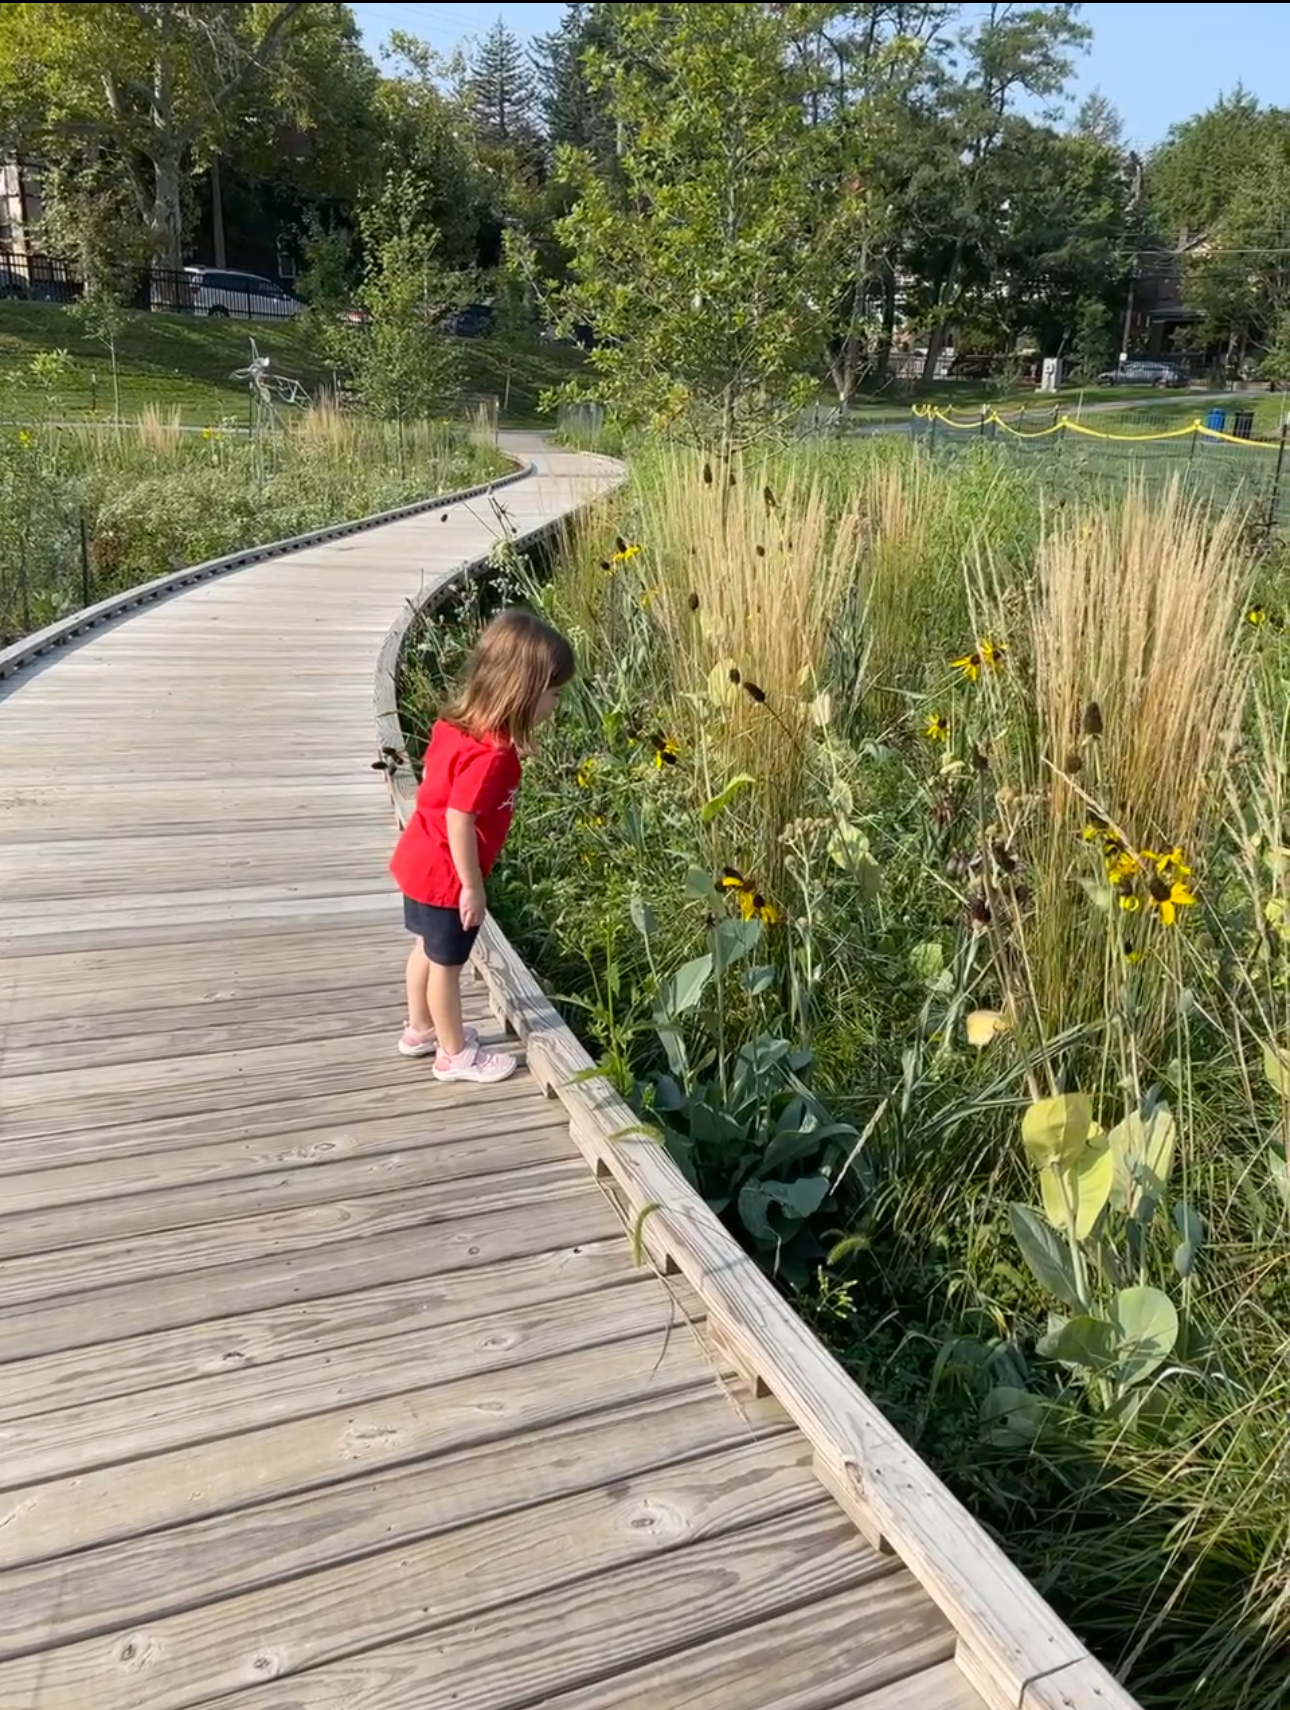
(1217, 419)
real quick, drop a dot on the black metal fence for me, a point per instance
(217, 292)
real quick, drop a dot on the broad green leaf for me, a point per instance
(1085, 1184)
(699, 884)
(1276, 1066)
(757, 980)
(643, 917)
(927, 961)
(711, 809)
(1189, 1224)
(1089, 1342)
(1056, 1130)
(1147, 1326)
(849, 847)
(732, 940)
(1047, 1258)
(1143, 1155)
(1011, 1418)
(686, 986)
(1279, 1170)
(799, 1199)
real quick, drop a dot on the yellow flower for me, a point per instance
(1167, 898)
(1129, 903)
(937, 728)
(752, 904)
(989, 656)
(24, 438)
(666, 749)
(1256, 615)
(648, 596)
(586, 773)
(624, 553)
(1121, 866)
(208, 433)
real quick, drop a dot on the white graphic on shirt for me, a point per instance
(508, 806)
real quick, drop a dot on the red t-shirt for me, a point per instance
(472, 775)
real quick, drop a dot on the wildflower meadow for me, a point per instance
(912, 852)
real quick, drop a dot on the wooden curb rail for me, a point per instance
(1012, 1648)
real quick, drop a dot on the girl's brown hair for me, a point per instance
(516, 660)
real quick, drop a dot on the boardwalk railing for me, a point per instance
(1012, 1648)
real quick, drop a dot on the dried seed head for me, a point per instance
(693, 602)
(754, 693)
(736, 677)
(707, 474)
(1091, 724)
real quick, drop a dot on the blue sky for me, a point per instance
(1155, 63)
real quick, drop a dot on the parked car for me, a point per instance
(1143, 374)
(475, 320)
(219, 291)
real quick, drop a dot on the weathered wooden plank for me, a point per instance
(1010, 1637)
(400, 1356)
(878, 1648)
(528, 1652)
(467, 1244)
(228, 1197)
(140, 1579)
(193, 1656)
(407, 1095)
(43, 1521)
(80, 1377)
(182, 1252)
(471, 1140)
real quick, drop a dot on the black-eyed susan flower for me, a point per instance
(752, 904)
(624, 552)
(1166, 896)
(585, 776)
(989, 656)
(937, 728)
(1256, 615)
(666, 749)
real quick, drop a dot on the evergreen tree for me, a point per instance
(499, 89)
(571, 111)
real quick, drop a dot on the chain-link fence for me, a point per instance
(1226, 453)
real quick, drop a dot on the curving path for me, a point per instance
(324, 1387)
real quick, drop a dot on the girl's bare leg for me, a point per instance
(443, 989)
(418, 979)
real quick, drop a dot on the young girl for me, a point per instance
(456, 832)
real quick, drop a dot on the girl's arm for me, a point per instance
(464, 846)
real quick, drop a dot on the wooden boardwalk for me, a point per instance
(322, 1386)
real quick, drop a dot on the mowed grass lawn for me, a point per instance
(183, 363)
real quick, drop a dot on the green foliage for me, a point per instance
(397, 360)
(154, 90)
(153, 499)
(707, 265)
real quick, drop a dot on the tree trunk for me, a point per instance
(887, 337)
(167, 215)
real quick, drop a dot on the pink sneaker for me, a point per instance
(417, 1044)
(474, 1064)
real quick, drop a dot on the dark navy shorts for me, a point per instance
(445, 939)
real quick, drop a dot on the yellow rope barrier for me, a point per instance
(1068, 424)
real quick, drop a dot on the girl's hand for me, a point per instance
(473, 906)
